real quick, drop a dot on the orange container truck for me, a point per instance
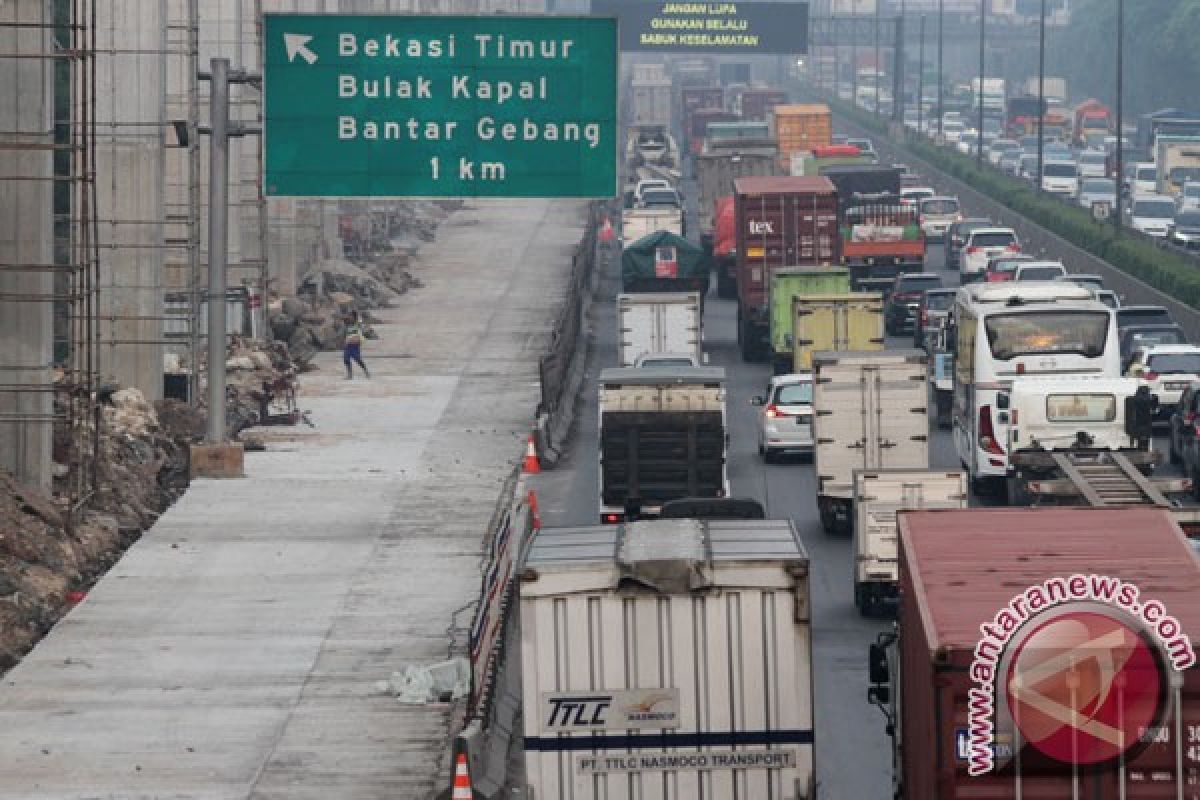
(801, 127)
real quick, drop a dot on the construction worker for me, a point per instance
(352, 349)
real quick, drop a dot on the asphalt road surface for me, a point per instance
(853, 752)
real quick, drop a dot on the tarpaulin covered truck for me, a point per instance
(781, 222)
(1026, 654)
(667, 659)
(664, 262)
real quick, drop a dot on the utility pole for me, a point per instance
(1117, 211)
(941, 77)
(854, 57)
(220, 130)
(921, 80)
(878, 20)
(898, 69)
(982, 68)
(1041, 94)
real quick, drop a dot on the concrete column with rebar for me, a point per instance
(27, 275)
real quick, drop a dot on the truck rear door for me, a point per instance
(896, 416)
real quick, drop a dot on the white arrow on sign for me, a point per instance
(297, 45)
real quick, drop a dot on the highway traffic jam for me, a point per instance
(877, 492)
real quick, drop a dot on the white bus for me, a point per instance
(1002, 330)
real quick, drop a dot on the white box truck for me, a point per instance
(659, 322)
(663, 436)
(878, 495)
(667, 653)
(869, 412)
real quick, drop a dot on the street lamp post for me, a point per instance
(1041, 151)
(921, 79)
(941, 78)
(878, 20)
(1116, 213)
(982, 69)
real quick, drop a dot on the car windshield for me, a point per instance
(668, 362)
(1040, 273)
(1108, 298)
(992, 239)
(939, 301)
(1147, 174)
(1184, 174)
(918, 283)
(1011, 335)
(1154, 209)
(1060, 170)
(1093, 158)
(1147, 338)
(1144, 316)
(1099, 186)
(1190, 220)
(794, 394)
(1175, 363)
(939, 206)
(1191, 191)
(660, 198)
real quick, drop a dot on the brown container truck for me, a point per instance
(756, 104)
(694, 97)
(781, 222)
(1043, 654)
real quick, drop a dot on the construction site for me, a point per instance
(105, 121)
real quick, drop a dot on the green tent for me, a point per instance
(664, 262)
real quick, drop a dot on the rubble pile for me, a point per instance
(142, 468)
(373, 274)
(260, 383)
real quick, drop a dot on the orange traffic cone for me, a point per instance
(533, 510)
(462, 780)
(606, 231)
(531, 466)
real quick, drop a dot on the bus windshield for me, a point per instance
(1082, 332)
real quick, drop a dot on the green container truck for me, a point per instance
(789, 282)
(664, 262)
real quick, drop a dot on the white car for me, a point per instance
(1189, 198)
(1093, 164)
(981, 245)
(1152, 214)
(1060, 177)
(1145, 179)
(998, 147)
(1167, 369)
(787, 413)
(952, 130)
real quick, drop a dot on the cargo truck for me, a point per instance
(956, 678)
(693, 99)
(1055, 89)
(664, 262)
(801, 128)
(786, 284)
(1092, 120)
(781, 222)
(880, 237)
(724, 247)
(698, 124)
(719, 166)
(757, 104)
(651, 100)
(1075, 440)
(869, 412)
(852, 321)
(663, 437)
(667, 653)
(879, 494)
(658, 322)
(1178, 162)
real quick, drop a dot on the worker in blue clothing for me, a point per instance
(352, 349)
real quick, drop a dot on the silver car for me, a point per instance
(937, 214)
(786, 421)
(1097, 190)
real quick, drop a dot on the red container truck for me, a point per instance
(1093, 122)
(725, 246)
(781, 222)
(991, 595)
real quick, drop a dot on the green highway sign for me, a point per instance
(439, 106)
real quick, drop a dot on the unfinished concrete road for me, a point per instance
(233, 652)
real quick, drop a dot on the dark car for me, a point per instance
(1129, 316)
(905, 295)
(956, 237)
(1003, 267)
(1186, 230)
(1185, 436)
(1134, 336)
(933, 312)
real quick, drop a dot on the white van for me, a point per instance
(1060, 177)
